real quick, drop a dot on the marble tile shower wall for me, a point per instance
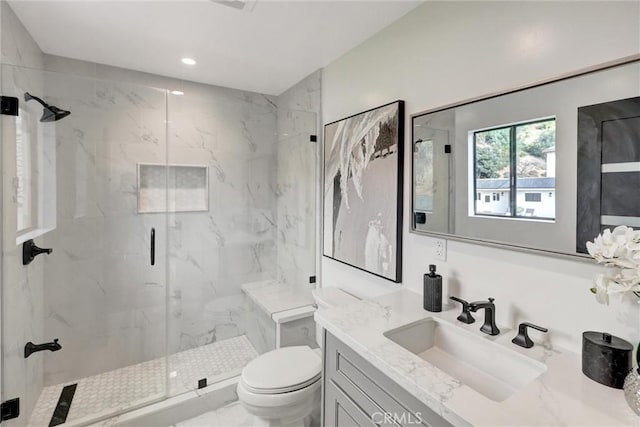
(103, 299)
(213, 253)
(297, 179)
(23, 295)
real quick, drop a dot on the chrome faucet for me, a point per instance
(489, 307)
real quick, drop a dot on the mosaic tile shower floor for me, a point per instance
(131, 387)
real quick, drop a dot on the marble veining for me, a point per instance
(296, 181)
(260, 327)
(273, 296)
(560, 396)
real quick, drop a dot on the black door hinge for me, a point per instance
(9, 105)
(447, 149)
(312, 279)
(10, 409)
(313, 138)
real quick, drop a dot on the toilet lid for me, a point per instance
(282, 370)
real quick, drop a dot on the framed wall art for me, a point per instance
(362, 190)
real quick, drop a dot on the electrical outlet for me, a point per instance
(441, 249)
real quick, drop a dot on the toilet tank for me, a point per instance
(329, 298)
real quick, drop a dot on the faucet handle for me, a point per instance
(491, 300)
(522, 339)
(30, 250)
(465, 316)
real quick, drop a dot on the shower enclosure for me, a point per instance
(158, 206)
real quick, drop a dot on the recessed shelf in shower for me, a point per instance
(185, 189)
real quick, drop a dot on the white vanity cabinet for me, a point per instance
(357, 394)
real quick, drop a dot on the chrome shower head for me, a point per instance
(51, 113)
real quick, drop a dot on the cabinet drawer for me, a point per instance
(341, 411)
(382, 400)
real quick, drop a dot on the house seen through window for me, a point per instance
(514, 165)
(532, 197)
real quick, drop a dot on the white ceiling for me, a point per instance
(267, 47)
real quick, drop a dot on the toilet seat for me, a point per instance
(281, 390)
(283, 370)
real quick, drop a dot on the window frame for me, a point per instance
(512, 211)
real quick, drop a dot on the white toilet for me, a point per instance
(282, 386)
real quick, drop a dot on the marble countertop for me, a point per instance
(274, 296)
(560, 396)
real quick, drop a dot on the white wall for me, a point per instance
(443, 52)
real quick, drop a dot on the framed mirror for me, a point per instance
(541, 168)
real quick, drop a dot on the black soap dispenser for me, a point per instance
(432, 296)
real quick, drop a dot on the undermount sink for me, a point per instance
(488, 368)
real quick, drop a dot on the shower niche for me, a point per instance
(172, 188)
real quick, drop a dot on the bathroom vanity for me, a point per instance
(356, 393)
(389, 362)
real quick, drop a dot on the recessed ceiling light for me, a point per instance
(188, 61)
(177, 92)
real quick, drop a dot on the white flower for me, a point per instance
(619, 249)
(601, 288)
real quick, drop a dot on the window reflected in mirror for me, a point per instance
(492, 171)
(543, 167)
(525, 151)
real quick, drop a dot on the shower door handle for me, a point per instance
(153, 246)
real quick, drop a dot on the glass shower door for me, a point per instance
(297, 211)
(91, 185)
(219, 188)
(242, 198)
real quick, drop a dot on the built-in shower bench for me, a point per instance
(280, 315)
